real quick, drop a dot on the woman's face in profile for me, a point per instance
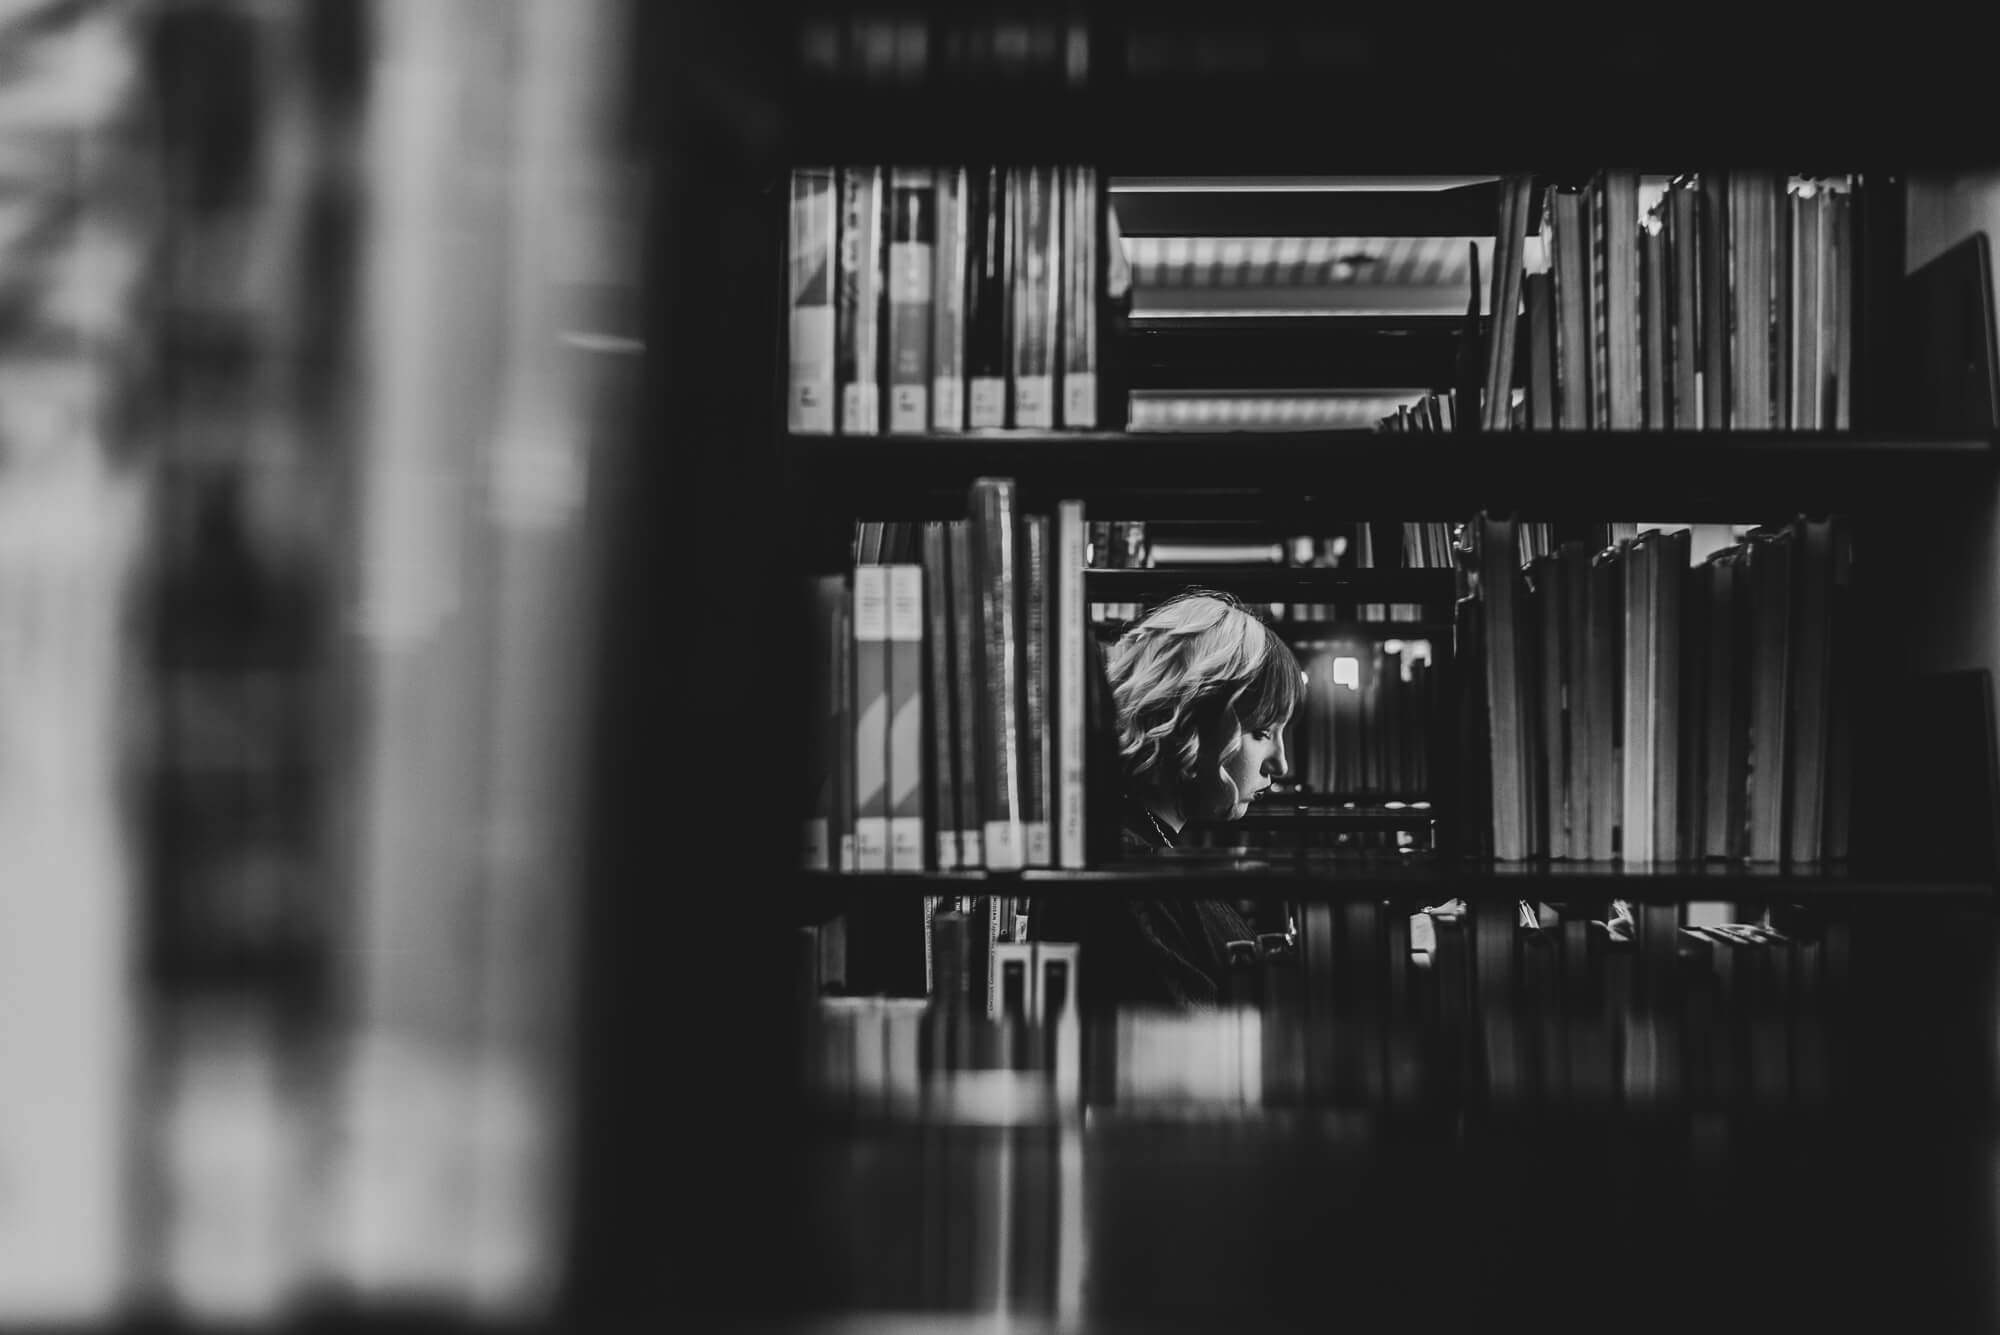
(1231, 784)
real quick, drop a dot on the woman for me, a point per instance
(1203, 690)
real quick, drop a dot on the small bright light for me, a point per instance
(1347, 672)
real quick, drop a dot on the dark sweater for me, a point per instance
(1171, 952)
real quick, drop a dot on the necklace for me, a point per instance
(1166, 835)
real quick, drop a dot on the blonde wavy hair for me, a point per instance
(1197, 658)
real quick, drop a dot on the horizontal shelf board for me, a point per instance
(1693, 475)
(1336, 876)
(1278, 583)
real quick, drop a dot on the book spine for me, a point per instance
(818, 853)
(1498, 556)
(1621, 260)
(871, 718)
(840, 837)
(1037, 740)
(1780, 347)
(1600, 305)
(1669, 578)
(1607, 620)
(1569, 240)
(1636, 750)
(906, 718)
(941, 701)
(1713, 264)
(993, 518)
(814, 245)
(1080, 228)
(858, 318)
(1656, 314)
(968, 718)
(1770, 572)
(1683, 274)
(1036, 225)
(948, 282)
(987, 328)
(1070, 630)
(912, 240)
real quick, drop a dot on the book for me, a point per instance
(993, 518)
(1037, 690)
(1035, 240)
(1071, 810)
(1683, 252)
(1725, 723)
(1538, 315)
(1769, 572)
(1605, 668)
(1817, 544)
(905, 779)
(941, 700)
(1717, 319)
(826, 594)
(1078, 297)
(872, 708)
(1569, 248)
(969, 709)
(1512, 226)
(988, 326)
(1655, 319)
(814, 239)
(859, 311)
(912, 242)
(1751, 301)
(1636, 737)
(1624, 360)
(950, 256)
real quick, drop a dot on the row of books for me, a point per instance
(1368, 719)
(1628, 703)
(1709, 300)
(1565, 1016)
(945, 299)
(952, 698)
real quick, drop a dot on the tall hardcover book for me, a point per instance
(1717, 388)
(1817, 543)
(859, 312)
(1539, 315)
(1725, 723)
(988, 328)
(970, 710)
(1665, 643)
(1770, 573)
(1683, 235)
(1569, 247)
(941, 702)
(1036, 231)
(1656, 317)
(827, 594)
(840, 838)
(1751, 298)
(1497, 561)
(814, 246)
(1080, 230)
(1604, 697)
(949, 255)
(1624, 357)
(1067, 580)
(1037, 690)
(906, 718)
(993, 518)
(872, 708)
(1636, 760)
(912, 241)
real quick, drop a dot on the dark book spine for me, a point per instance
(988, 334)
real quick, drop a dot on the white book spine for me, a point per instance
(814, 248)
(906, 717)
(871, 718)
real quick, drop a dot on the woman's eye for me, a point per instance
(1261, 735)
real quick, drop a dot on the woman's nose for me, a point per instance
(1274, 764)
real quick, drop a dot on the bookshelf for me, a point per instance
(1926, 502)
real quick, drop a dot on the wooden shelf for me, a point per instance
(1283, 476)
(1430, 878)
